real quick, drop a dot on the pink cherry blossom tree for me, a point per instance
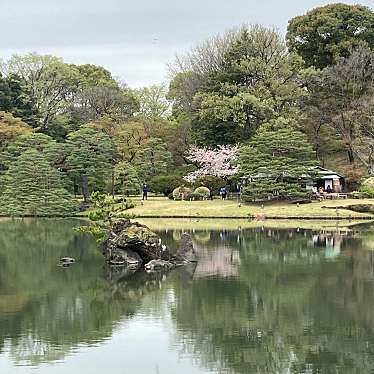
(212, 162)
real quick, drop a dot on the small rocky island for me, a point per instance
(134, 245)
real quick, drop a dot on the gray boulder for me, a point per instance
(132, 244)
(159, 265)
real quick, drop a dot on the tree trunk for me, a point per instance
(85, 189)
(350, 152)
(371, 161)
(76, 187)
(112, 186)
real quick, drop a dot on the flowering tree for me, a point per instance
(213, 162)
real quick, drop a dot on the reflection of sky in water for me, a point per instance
(141, 345)
(294, 300)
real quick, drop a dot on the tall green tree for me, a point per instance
(49, 82)
(152, 159)
(90, 159)
(326, 33)
(282, 157)
(93, 75)
(153, 102)
(255, 81)
(33, 187)
(54, 152)
(126, 179)
(15, 99)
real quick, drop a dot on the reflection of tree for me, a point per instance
(290, 311)
(266, 301)
(47, 310)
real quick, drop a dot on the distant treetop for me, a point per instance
(331, 31)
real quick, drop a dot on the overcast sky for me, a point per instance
(133, 39)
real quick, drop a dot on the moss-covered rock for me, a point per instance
(132, 244)
(132, 237)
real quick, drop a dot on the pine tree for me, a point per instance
(126, 179)
(90, 159)
(283, 157)
(34, 188)
(153, 159)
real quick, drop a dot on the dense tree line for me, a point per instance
(319, 81)
(310, 94)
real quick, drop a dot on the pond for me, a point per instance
(260, 300)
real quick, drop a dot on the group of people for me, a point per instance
(321, 190)
(223, 193)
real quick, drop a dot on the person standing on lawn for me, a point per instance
(145, 192)
(223, 193)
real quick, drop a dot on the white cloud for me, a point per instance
(133, 39)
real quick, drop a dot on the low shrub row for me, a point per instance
(185, 193)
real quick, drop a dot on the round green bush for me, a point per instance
(194, 197)
(203, 191)
(181, 193)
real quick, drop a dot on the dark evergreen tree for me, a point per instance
(14, 99)
(153, 159)
(90, 159)
(126, 179)
(32, 187)
(279, 161)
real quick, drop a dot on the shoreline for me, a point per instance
(264, 218)
(249, 218)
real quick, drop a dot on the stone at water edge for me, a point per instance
(185, 255)
(158, 265)
(127, 257)
(132, 244)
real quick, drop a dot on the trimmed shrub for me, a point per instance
(180, 193)
(203, 191)
(194, 197)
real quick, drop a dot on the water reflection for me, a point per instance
(291, 310)
(259, 300)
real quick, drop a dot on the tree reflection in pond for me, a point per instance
(45, 310)
(291, 309)
(259, 300)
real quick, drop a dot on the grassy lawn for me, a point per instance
(163, 207)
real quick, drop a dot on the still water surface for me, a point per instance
(259, 301)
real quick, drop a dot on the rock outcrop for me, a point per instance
(132, 244)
